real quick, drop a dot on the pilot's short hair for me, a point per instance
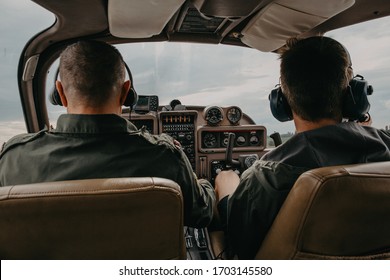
(315, 73)
(91, 69)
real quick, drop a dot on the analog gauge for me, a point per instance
(240, 141)
(234, 115)
(209, 140)
(213, 115)
(254, 140)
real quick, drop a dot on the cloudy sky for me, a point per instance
(199, 74)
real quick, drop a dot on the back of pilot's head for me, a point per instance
(315, 73)
(92, 71)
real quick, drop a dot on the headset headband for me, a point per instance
(131, 98)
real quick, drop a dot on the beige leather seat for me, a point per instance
(120, 218)
(334, 213)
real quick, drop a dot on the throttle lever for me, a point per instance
(230, 162)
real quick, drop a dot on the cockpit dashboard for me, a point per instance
(203, 132)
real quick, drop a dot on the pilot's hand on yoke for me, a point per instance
(226, 183)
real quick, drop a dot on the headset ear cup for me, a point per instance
(355, 103)
(132, 97)
(54, 96)
(279, 105)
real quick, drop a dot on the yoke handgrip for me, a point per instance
(230, 162)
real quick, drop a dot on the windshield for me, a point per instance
(200, 74)
(196, 74)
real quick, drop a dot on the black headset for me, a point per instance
(355, 103)
(130, 101)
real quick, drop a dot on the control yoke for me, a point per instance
(230, 162)
(276, 138)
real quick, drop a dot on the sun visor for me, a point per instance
(140, 18)
(227, 8)
(279, 21)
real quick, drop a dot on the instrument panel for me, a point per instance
(217, 139)
(203, 133)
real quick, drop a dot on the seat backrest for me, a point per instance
(118, 218)
(340, 212)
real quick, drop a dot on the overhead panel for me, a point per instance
(140, 18)
(227, 8)
(194, 22)
(273, 25)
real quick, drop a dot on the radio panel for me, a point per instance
(181, 126)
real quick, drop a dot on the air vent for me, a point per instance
(195, 23)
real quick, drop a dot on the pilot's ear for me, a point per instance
(125, 91)
(60, 90)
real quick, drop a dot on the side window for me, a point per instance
(19, 21)
(368, 44)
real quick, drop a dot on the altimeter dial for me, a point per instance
(234, 114)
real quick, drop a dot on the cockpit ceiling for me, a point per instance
(264, 25)
(267, 30)
(260, 24)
